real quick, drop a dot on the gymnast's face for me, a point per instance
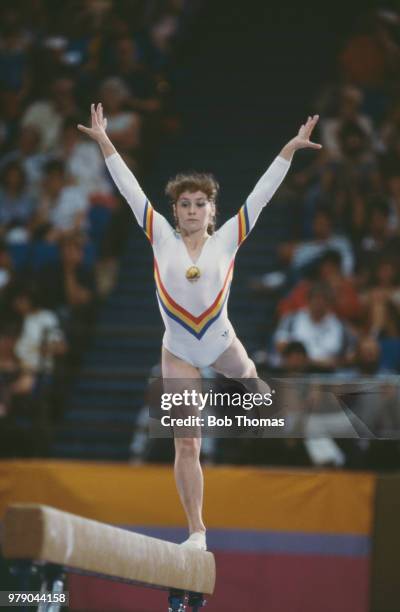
(194, 212)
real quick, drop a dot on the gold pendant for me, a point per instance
(193, 273)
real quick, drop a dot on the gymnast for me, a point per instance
(193, 267)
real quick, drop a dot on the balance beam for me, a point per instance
(48, 535)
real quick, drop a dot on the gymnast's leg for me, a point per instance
(188, 472)
(235, 363)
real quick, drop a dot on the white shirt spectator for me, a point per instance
(71, 201)
(32, 165)
(86, 166)
(307, 252)
(322, 339)
(330, 128)
(120, 122)
(43, 116)
(39, 330)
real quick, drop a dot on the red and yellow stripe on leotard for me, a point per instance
(195, 325)
(148, 221)
(244, 224)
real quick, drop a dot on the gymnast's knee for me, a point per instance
(187, 448)
(244, 370)
(249, 370)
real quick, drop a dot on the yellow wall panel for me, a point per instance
(235, 497)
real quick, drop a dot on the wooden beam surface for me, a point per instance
(43, 533)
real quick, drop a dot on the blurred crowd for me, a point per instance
(61, 224)
(340, 275)
(338, 290)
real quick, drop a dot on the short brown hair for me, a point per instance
(193, 181)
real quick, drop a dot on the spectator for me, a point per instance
(40, 341)
(390, 132)
(62, 207)
(357, 164)
(71, 283)
(376, 404)
(70, 290)
(346, 303)
(367, 359)
(17, 205)
(295, 360)
(14, 60)
(317, 327)
(382, 300)
(83, 161)
(379, 233)
(147, 94)
(158, 46)
(9, 116)
(137, 78)
(350, 100)
(371, 56)
(47, 115)
(377, 240)
(355, 151)
(28, 154)
(123, 125)
(305, 253)
(346, 182)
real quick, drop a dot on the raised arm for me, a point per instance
(302, 140)
(273, 177)
(150, 221)
(240, 225)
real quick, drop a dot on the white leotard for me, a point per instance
(197, 328)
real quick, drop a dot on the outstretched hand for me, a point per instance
(99, 123)
(302, 140)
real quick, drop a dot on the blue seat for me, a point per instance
(99, 220)
(44, 254)
(20, 255)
